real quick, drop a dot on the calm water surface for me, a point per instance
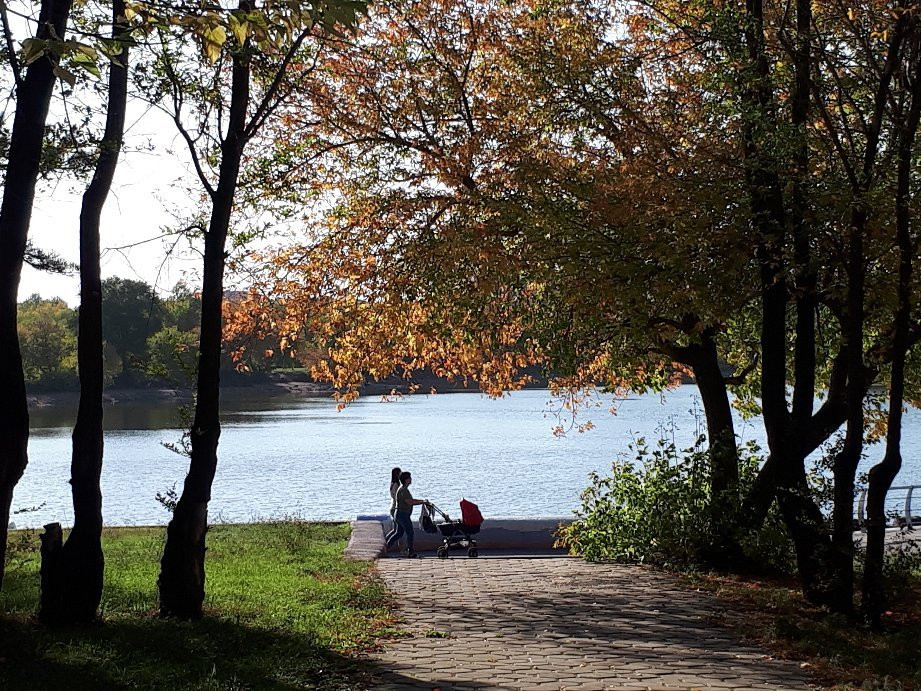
(301, 457)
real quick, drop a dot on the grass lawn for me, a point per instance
(284, 610)
(842, 654)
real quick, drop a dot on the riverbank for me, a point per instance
(243, 387)
(167, 395)
(283, 610)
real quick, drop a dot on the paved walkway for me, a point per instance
(561, 623)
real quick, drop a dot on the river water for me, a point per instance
(300, 457)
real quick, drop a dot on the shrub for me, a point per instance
(657, 509)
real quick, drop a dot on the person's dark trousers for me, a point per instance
(404, 526)
(395, 534)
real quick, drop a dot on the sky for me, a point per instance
(146, 195)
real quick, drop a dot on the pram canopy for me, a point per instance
(470, 514)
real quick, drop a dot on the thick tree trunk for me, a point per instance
(845, 465)
(883, 473)
(703, 360)
(32, 99)
(182, 568)
(806, 524)
(81, 557)
(787, 471)
(725, 551)
(724, 453)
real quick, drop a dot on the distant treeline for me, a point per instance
(149, 340)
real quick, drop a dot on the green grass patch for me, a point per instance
(284, 610)
(835, 650)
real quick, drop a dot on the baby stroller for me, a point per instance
(457, 533)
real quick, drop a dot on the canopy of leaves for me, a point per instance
(571, 172)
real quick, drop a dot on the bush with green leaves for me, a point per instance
(656, 508)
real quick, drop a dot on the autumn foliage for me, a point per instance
(615, 192)
(487, 201)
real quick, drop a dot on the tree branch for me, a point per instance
(268, 103)
(176, 114)
(8, 37)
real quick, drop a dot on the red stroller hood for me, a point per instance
(470, 514)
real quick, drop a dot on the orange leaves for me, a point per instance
(375, 322)
(493, 193)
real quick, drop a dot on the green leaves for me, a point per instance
(65, 75)
(33, 49)
(76, 55)
(342, 13)
(238, 26)
(86, 58)
(269, 28)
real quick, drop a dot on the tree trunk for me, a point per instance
(804, 357)
(182, 568)
(32, 99)
(724, 454)
(883, 473)
(826, 420)
(81, 557)
(787, 458)
(845, 466)
(806, 524)
(6, 502)
(703, 360)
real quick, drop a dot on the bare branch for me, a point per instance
(155, 238)
(739, 379)
(8, 37)
(178, 101)
(268, 103)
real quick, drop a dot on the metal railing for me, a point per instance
(896, 507)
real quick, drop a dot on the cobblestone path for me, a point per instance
(559, 623)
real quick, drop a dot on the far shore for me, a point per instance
(118, 396)
(237, 389)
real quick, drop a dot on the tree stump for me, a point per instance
(51, 607)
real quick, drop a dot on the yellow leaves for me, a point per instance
(212, 40)
(375, 324)
(239, 27)
(852, 14)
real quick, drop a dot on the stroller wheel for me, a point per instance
(472, 552)
(442, 552)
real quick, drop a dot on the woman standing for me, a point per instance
(394, 486)
(402, 518)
